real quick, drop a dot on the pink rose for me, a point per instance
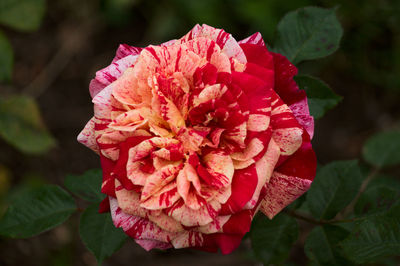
(196, 135)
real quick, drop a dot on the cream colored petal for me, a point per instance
(219, 165)
(264, 167)
(129, 201)
(253, 148)
(162, 199)
(159, 179)
(187, 239)
(258, 122)
(166, 222)
(215, 226)
(87, 136)
(288, 139)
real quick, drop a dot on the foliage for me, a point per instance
(37, 210)
(353, 225)
(21, 125)
(6, 58)
(24, 15)
(86, 186)
(383, 149)
(335, 185)
(99, 233)
(308, 33)
(272, 239)
(321, 245)
(20, 120)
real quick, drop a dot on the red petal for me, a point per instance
(226, 242)
(239, 223)
(258, 55)
(104, 205)
(244, 183)
(303, 163)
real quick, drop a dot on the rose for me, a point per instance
(196, 135)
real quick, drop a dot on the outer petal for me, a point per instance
(287, 132)
(87, 136)
(258, 55)
(244, 184)
(188, 239)
(281, 191)
(136, 227)
(264, 167)
(256, 39)
(124, 50)
(290, 93)
(109, 74)
(149, 244)
(226, 242)
(189, 217)
(303, 163)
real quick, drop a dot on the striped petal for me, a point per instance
(111, 73)
(87, 136)
(281, 191)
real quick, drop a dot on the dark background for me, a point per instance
(77, 38)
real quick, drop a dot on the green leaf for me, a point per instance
(37, 210)
(320, 97)
(381, 194)
(334, 186)
(321, 245)
(117, 12)
(99, 234)
(6, 58)
(24, 15)
(87, 186)
(383, 149)
(297, 203)
(272, 239)
(374, 238)
(308, 33)
(21, 125)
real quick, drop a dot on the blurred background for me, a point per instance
(59, 45)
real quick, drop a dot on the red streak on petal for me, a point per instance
(166, 196)
(120, 168)
(178, 204)
(147, 167)
(222, 38)
(153, 52)
(178, 58)
(205, 175)
(210, 51)
(193, 159)
(175, 152)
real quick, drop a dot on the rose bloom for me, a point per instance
(196, 135)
